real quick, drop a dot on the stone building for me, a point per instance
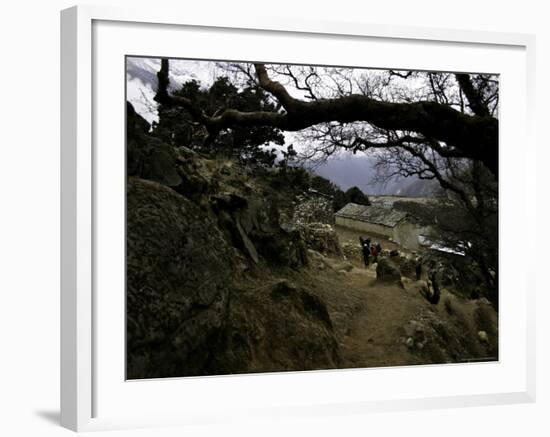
(382, 220)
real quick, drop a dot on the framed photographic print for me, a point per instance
(275, 218)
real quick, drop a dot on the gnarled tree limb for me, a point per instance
(475, 101)
(474, 136)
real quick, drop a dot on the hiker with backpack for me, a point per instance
(366, 249)
(418, 268)
(378, 250)
(375, 250)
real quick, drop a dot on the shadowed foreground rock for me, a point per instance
(178, 267)
(188, 310)
(275, 328)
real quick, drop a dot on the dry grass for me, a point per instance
(448, 304)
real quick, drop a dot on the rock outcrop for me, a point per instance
(253, 224)
(322, 238)
(188, 244)
(471, 330)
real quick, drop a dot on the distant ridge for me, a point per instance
(353, 170)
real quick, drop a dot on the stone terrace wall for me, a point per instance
(313, 208)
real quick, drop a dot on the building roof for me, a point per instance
(390, 199)
(378, 214)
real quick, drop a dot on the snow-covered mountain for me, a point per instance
(141, 80)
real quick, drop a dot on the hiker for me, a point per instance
(375, 252)
(434, 297)
(365, 247)
(378, 249)
(476, 292)
(418, 268)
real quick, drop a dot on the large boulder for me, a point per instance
(178, 268)
(274, 328)
(406, 266)
(387, 271)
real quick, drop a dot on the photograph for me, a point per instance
(297, 217)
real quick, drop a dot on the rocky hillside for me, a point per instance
(229, 273)
(208, 247)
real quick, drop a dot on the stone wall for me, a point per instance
(405, 234)
(313, 208)
(368, 228)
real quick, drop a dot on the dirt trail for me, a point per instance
(368, 317)
(372, 321)
(376, 331)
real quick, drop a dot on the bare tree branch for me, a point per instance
(475, 100)
(475, 136)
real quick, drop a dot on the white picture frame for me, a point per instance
(83, 368)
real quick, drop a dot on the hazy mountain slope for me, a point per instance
(419, 188)
(356, 170)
